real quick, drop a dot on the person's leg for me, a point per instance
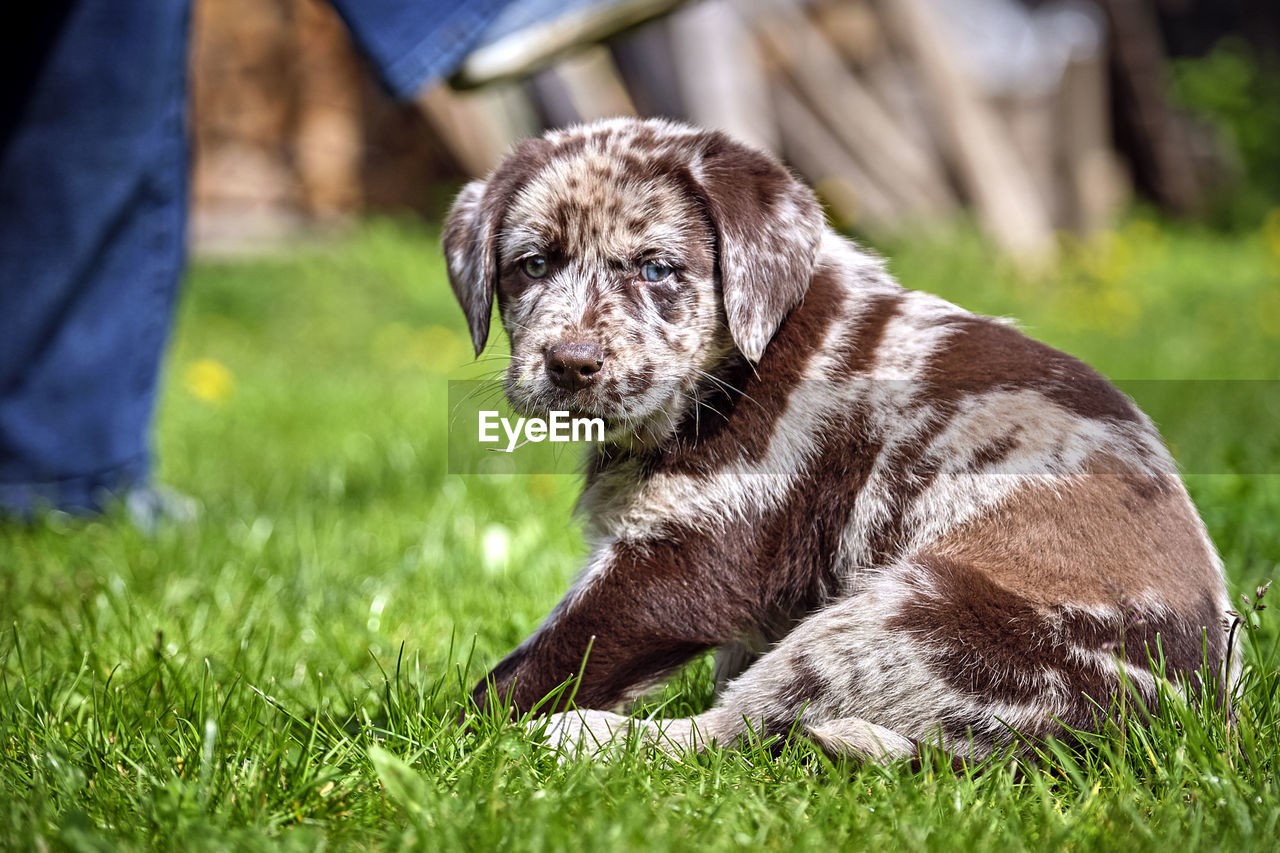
(411, 42)
(93, 194)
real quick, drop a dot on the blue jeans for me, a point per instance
(93, 203)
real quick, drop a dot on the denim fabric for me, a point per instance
(93, 200)
(92, 219)
(412, 42)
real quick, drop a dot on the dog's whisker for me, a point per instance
(727, 386)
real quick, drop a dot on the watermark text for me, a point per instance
(558, 426)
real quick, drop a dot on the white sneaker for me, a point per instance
(530, 34)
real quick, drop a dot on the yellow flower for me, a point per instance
(209, 380)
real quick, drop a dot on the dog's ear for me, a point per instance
(471, 234)
(469, 241)
(768, 226)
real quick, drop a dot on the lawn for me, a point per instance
(287, 671)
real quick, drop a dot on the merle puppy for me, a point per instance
(899, 522)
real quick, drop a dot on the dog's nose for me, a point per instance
(574, 365)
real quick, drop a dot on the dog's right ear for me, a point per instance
(471, 234)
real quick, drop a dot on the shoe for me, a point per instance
(530, 34)
(150, 507)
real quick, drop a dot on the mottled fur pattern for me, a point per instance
(928, 526)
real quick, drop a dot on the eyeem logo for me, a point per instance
(485, 437)
(560, 427)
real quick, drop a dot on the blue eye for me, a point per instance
(535, 266)
(655, 272)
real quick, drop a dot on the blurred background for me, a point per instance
(1032, 118)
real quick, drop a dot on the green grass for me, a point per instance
(287, 671)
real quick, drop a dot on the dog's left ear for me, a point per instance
(471, 234)
(768, 226)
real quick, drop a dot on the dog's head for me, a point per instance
(628, 257)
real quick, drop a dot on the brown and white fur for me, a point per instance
(930, 527)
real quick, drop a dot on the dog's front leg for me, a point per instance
(635, 614)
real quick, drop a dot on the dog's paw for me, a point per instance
(861, 740)
(583, 732)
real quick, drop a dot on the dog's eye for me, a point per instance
(655, 272)
(535, 266)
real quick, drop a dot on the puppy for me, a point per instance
(926, 526)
